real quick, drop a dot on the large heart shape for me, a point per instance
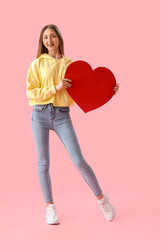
(90, 88)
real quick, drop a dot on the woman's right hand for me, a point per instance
(63, 83)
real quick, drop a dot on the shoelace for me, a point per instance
(105, 206)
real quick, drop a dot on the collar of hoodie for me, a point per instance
(47, 56)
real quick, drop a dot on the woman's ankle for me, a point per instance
(50, 203)
(100, 196)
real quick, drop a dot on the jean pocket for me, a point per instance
(64, 109)
(39, 108)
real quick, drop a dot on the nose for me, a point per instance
(49, 40)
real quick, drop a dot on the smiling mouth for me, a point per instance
(50, 45)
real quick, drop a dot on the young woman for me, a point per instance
(46, 91)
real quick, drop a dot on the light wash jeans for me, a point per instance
(48, 117)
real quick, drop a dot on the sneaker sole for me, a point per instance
(114, 214)
(53, 223)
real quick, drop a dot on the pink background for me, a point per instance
(120, 140)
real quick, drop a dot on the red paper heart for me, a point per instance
(90, 88)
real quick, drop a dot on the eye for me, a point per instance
(46, 36)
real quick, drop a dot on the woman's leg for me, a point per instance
(64, 128)
(41, 138)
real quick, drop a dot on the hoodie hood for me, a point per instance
(47, 56)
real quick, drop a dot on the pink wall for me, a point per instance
(119, 140)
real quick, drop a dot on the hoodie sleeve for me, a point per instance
(34, 89)
(69, 62)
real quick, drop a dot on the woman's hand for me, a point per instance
(63, 83)
(116, 88)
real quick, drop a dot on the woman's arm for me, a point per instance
(34, 89)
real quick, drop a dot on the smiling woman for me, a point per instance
(51, 42)
(46, 90)
(50, 34)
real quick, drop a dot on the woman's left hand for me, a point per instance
(116, 88)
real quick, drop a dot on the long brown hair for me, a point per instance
(42, 48)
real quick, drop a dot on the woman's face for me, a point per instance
(50, 40)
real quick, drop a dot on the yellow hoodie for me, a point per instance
(43, 75)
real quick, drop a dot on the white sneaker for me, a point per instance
(51, 214)
(107, 209)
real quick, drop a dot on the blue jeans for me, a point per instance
(48, 117)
